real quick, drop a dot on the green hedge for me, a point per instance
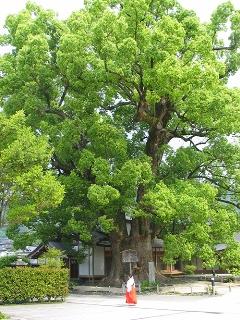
(24, 284)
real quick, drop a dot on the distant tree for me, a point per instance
(27, 187)
(52, 258)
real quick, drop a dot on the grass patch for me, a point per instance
(148, 287)
(3, 316)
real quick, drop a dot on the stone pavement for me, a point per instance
(149, 307)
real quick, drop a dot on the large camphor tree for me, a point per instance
(133, 97)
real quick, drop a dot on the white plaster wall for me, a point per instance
(99, 261)
(86, 270)
(84, 267)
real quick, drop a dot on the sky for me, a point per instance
(64, 8)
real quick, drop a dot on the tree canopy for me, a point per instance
(133, 98)
(27, 187)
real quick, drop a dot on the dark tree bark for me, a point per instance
(141, 241)
(140, 238)
(115, 276)
(158, 135)
(118, 240)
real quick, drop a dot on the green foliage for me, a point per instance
(27, 187)
(3, 316)
(161, 202)
(106, 224)
(6, 261)
(189, 269)
(108, 141)
(102, 195)
(79, 254)
(192, 221)
(19, 285)
(53, 258)
(111, 88)
(149, 286)
(230, 258)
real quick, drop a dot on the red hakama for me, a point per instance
(131, 297)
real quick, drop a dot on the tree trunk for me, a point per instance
(141, 234)
(115, 276)
(158, 135)
(141, 241)
(116, 266)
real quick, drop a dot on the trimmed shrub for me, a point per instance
(53, 258)
(18, 285)
(189, 269)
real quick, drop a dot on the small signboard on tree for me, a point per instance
(129, 256)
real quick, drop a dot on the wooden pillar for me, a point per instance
(93, 264)
(89, 265)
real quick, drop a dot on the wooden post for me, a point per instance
(139, 287)
(89, 265)
(214, 291)
(151, 271)
(93, 264)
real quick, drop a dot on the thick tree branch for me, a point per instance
(122, 82)
(49, 108)
(158, 134)
(191, 174)
(193, 131)
(126, 90)
(237, 205)
(63, 95)
(213, 181)
(189, 139)
(59, 113)
(63, 168)
(119, 104)
(224, 48)
(83, 141)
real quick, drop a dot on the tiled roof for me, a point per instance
(6, 244)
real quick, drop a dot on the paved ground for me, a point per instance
(149, 307)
